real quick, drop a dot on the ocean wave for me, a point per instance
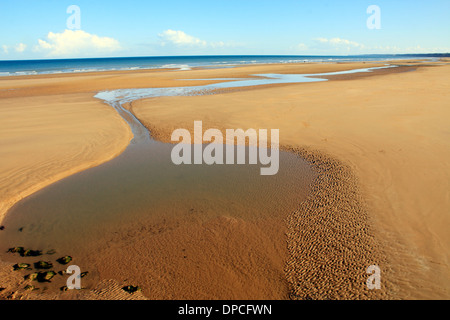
(180, 67)
(33, 67)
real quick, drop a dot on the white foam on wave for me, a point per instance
(24, 73)
(180, 67)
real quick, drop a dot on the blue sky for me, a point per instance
(32, 29)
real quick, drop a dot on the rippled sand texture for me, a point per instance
(331, 240)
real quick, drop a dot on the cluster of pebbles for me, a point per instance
(330, 238)
(44, 270)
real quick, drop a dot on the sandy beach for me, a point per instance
(47, 138)
(379, 143)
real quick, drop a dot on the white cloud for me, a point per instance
(330, 46)
(180, 38)
(219, 44)
(301, 47)
(338, 46)
(20, 47)
(5, 49)
(338, 42)
(76, 42)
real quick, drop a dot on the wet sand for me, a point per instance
(349, 219)
(178, 231)
(391, 130)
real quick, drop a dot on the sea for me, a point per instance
(53, 66)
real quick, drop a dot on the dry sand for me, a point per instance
(380, 145)
(44, 139)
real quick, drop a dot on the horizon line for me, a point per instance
(240, 55)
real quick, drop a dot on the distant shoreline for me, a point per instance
(86, 65)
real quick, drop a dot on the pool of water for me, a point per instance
(122, 96)
(143, 183)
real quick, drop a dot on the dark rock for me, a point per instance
(45, 276)
(43, 265)
(64, 260)
(21, 266)
(131, 289)
(31, 253)
(16, 250)
(32, 276)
